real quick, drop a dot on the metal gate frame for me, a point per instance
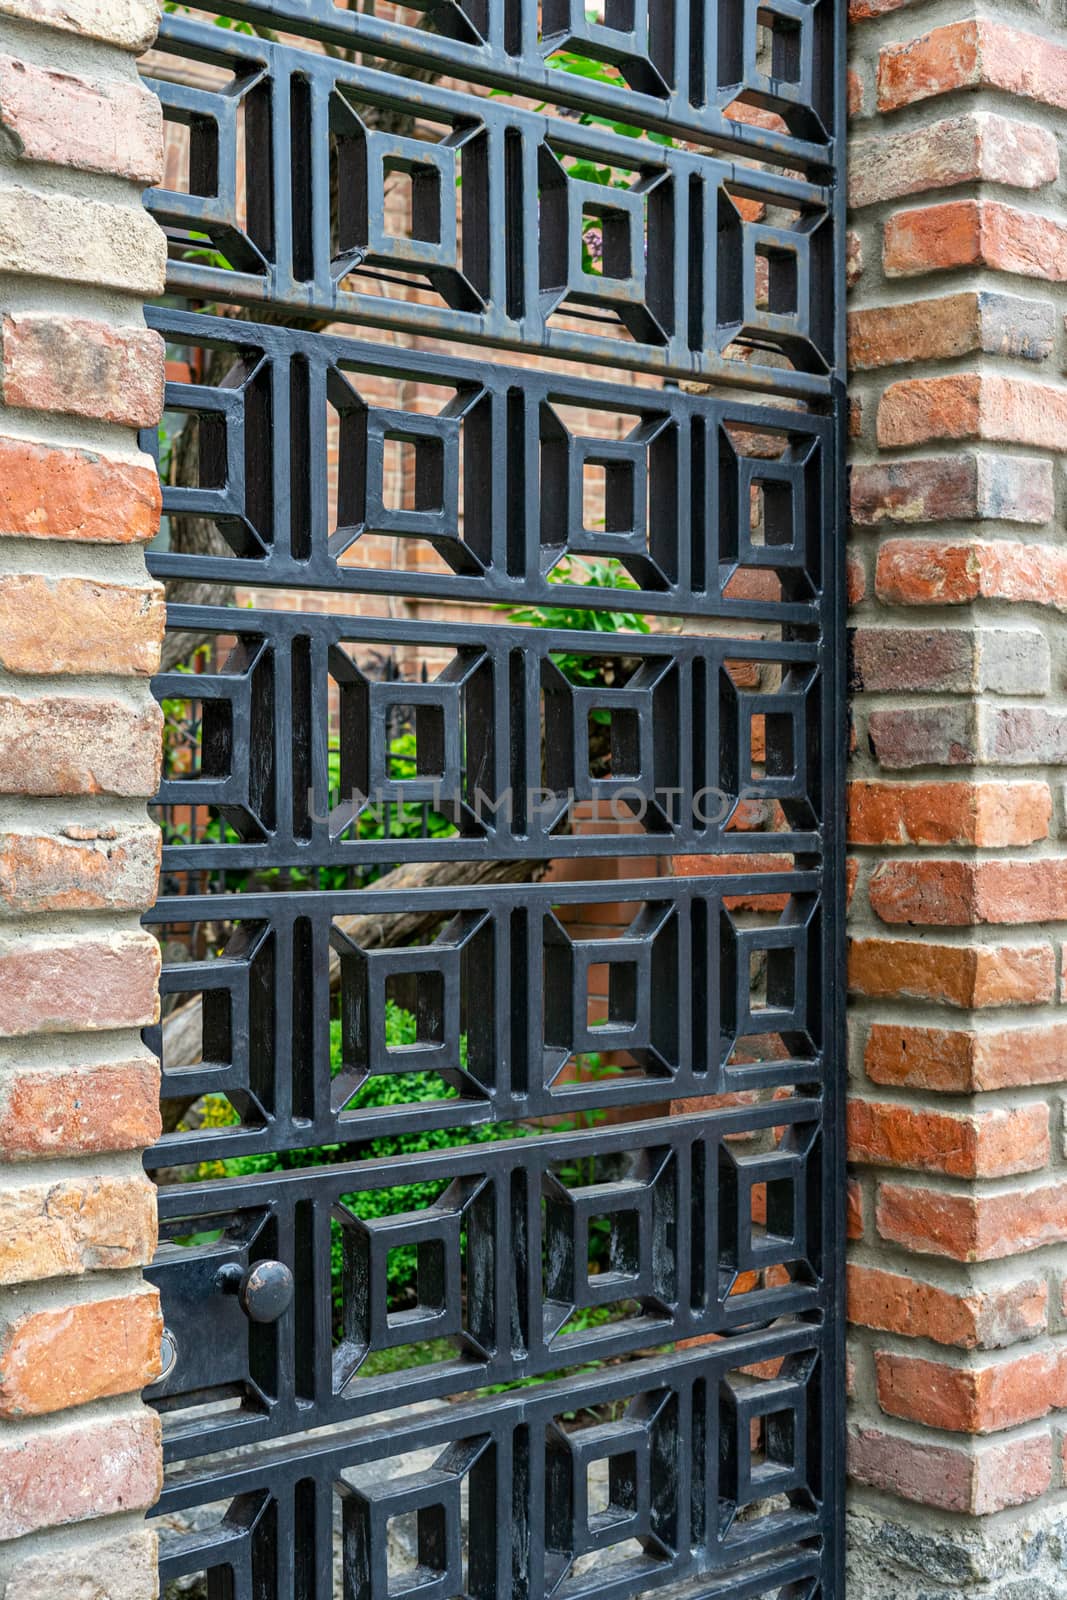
(253, 1364)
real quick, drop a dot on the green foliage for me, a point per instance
(395, 1089)
(582, 669)
(383, 1089)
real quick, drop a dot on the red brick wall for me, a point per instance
(80, 627)
(958, 577)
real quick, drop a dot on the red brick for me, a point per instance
(54, 1358)
(99, 867)
(71, 744)
(924, 572)
(972, 54)
(71, 1226)
(91, 1469)
(949, 812)
(86, 369)
(975, 233)
(979, 147)
(952, 1479)
(951, 325)
(975, 1226)
(79, 625)
(967, 893)
(976, 1320)
(51, 493)
(958, 488)
(70, 1110)
(920, 572)
(75, 983)
(90, 125)
(973, 405)
(964, 1061)
(971, 1399)
(854, 1210)
(970, 976)
(985, 1144)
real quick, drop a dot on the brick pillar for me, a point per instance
(956, 817)
(80, 628)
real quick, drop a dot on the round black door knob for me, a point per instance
(264, 1290)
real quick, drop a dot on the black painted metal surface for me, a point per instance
(620, 1368)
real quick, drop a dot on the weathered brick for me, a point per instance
(112, 1569)
(974, 233)
(54, 1230)
(902, 659)
(952, 1479)
(975, 1320)
(985, 814)
(972, 54)
(66, 1356)
(79, 625)
(84, 123)
(978, 147)
(965, 1060)
(954, 660)
(79, 1110)
(74, 983)
(971, 1399)
(923, 736)
(853, 1210)
(865, 10)
(71, 744)
(973, 405)
(87, 369)
(1023, 736)
(973, 1226)
(855, 578)
(90, 1469)
(51, 493)
(984, 1144)
(967, 893)
(924, 572)
(853, 258)
(130, 24)
(82, 241)
(854, 93)
(957, 488)
(950, 326)
(93, 867)
(970, 976)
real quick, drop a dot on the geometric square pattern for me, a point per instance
(504, 225)
(335, 1018)
(539, 743)
(522, 487)
(509, 1265)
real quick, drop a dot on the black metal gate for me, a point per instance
(501, 1210)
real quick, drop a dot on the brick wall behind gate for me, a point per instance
(958, 575)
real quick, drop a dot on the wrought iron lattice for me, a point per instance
(572, 1070)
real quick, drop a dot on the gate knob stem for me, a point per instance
(264, 1290)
